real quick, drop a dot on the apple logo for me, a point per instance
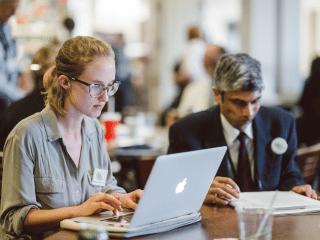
(180, 186)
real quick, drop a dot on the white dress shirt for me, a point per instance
(231, 135)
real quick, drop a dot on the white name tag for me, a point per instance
(99, 177)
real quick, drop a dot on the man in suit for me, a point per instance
(262, 159)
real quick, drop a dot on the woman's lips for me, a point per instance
(98, 106)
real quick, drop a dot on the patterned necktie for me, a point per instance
(244, 173)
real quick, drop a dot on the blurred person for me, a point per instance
(181, 80)
(125, 96)
(308, 124)
(262, 141)
(52, 158)
(42, 60)
(198, 95)
(193, 55)
(9, 67)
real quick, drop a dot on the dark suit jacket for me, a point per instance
(17, 111)
(272, 171)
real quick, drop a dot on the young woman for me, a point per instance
(55, 162)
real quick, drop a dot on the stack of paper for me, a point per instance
(286, 203)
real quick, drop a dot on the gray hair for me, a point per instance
(238, 72)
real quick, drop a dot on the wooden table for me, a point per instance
(221, 222)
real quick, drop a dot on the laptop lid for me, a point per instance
(177, 185)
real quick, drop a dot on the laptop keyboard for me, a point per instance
(120, 219)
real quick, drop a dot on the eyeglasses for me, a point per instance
(96, 89)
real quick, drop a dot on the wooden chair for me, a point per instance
(307, 160)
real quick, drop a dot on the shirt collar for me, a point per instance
(88, 127)
(231, 133)
(51, 125)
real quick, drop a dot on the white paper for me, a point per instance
(287, 202)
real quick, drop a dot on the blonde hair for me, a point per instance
(72, 59)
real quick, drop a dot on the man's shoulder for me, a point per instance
(196, 119)
(275, 118)
(273, 113)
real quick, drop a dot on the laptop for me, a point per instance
(173, 195)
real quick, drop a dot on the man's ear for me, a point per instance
(64, 82)
(217, 95)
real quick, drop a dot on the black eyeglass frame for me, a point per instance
(103, 88)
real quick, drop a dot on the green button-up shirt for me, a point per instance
(39, 173)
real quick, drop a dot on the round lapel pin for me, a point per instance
(279, 145)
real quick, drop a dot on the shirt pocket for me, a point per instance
(51, 193)
(50, 185)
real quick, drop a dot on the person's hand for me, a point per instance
(99, 202)
(307, 190)
(222, 187)
(130, 200)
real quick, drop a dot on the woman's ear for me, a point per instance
(64, 82)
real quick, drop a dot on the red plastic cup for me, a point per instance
(110, 130)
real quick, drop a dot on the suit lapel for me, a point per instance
(215, 138)
(262, 152)
(262, 138)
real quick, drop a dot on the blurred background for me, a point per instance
(151, 35)
(166, 52)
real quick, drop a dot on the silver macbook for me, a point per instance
(177, 186)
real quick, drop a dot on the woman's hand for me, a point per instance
(130, 200)
(99, 202)
(49, 219)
